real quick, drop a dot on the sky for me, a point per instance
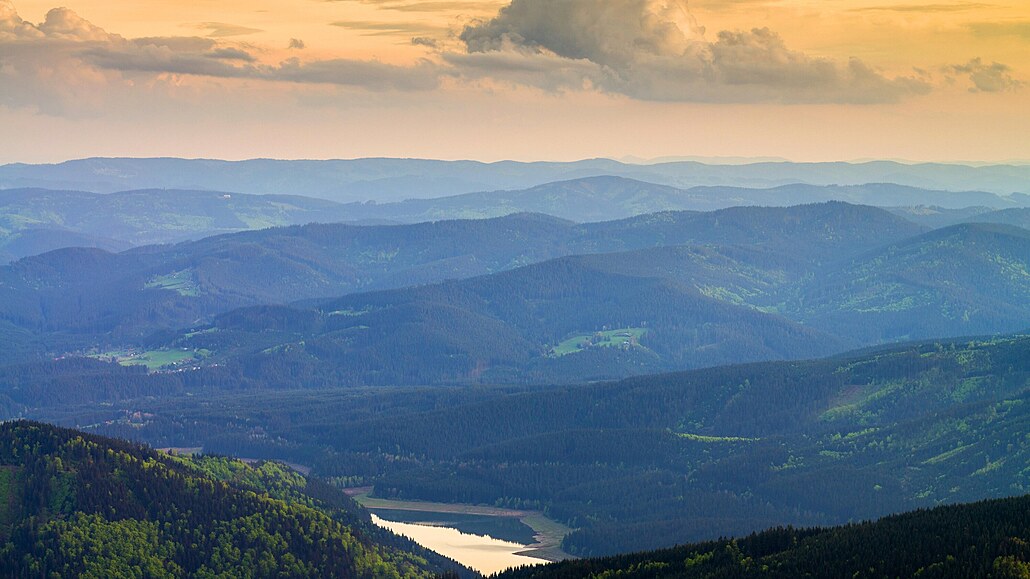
(804, 80)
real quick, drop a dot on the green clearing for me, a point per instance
(621, 337)
(152, 359)
(179, 281)
(701, 438)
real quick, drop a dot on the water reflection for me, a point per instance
(484, 554)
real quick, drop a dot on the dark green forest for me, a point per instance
(984, 539)
(645, 462)
(78, 505)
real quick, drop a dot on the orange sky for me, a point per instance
(805, 80)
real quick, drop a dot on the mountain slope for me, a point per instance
(984, 539)
(603, 198)
(511, 326)
(81, 505)
(89, 293)
(656, 460)
(36, 220)
(964, 279)
(130, 218)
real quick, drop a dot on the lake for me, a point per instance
(483, 553)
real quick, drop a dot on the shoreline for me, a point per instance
(548, 533)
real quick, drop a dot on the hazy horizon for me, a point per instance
(515, 79)
(626, 160)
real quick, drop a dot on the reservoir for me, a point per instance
(483, 553)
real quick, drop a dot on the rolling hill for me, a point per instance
(607, 316)
(984, 539)
(965, 279)
(690, 289)
(81, 505)
(937, 217)
(562, 320)
(33, 221)
(154, 288)
(646, 462)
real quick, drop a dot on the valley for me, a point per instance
(536, 388)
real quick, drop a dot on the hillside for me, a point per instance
(663, 308)
(33, 221)
(638, 464)
(1018, 217)
(688, 290)
(604, 198)
(511, 326)
(936, 217)
(984, 539)
(81, 505)
(96, 297)
(965, 279)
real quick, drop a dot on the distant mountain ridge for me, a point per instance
(604, 198)
(36, 220)
(387, 180)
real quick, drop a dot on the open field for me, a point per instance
(180, 281)
(603, 339)
(152, 359)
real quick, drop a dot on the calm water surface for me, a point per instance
(482, 553)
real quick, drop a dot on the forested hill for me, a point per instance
(33, 221)
(647, 462)
(973, 275)
(76, 505)
(532, 324)
(604, 198)
(984, 539)
(605, 316)
(91, 295)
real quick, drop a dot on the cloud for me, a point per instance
(221, 29)
(372, 75)
(229, 53)
(655, 50)
(425, 41)
(372, 28)
(996, 29)
(67, 66)
(994, 77)
(427, 7)
(59, 24)
(925, 8)
(296, 44)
